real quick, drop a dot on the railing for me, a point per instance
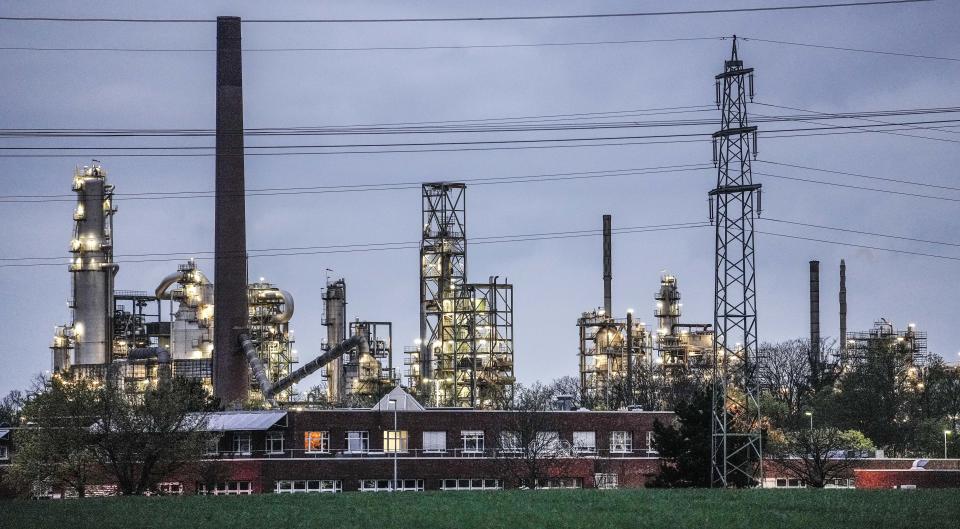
(450, 453)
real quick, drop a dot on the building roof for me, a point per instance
(404, 401)
(243, 420)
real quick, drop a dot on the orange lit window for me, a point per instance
(316, 441)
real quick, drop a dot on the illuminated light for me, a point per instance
(911, 325)
(418, 341)
(629, 311)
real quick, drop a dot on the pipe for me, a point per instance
(165, 283)
(146, 353)
(607, 268)
(256, 365)
(286, 298)
(307, 369)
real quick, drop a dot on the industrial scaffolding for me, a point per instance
(270, 310)
(611, 349)
(883, 336)
(465, 354)
(370, 374)
(682, 347)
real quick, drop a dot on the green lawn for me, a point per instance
(701, 509)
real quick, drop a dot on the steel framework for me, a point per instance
(737, 452)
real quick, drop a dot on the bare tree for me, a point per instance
(528, 451)
(786, 375)
(817, 456)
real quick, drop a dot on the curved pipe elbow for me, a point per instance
(166, 283)
(287, 313)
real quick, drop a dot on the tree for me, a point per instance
(11, 407)
(528, 451)
(54, 447)
(817, 456)
(684, 446)
(786, 375)
(139, 440)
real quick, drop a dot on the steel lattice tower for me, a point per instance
(736, 442)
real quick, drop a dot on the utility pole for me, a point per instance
(736, 452)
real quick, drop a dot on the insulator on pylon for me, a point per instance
(751, 87)
(755, 145)
(710, 213)
(718, 93)
(759, 201)
(714, 141)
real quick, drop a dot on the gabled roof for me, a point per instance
(404, 401)
(224, 421)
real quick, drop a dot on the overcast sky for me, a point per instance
(554, 280)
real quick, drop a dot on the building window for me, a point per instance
(621, 443)
(510, 442)
(4, 453)
(274, 442)
(472, 484)
(790, 483)
(585, 442)
(381, 485)
(606, 481)
(472, 441)
(170, 488)
(358, 442)
(650, 448)
(288, 486)
(213, 446)
(241, 443)
(434, 441)
(227, 488)
(316, 442)
(560, 483)
(394, 441)
(547, 443)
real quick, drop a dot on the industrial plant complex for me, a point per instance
(439, 414)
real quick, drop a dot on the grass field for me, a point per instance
(674, 509)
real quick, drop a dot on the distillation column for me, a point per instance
(92, 267)
(335, 309)
(815, 319)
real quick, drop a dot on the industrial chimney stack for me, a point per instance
(815, 318)
(230, 373)
(843, 308)
(607, 269)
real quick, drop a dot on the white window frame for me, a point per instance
(295, 486)
(227, 488)
(621, 442)
(585, 442)
(385, 485)
(4, 452)
(606, 480)
(548, 442)
(650, 449)
(240, 441)
(471, 484)
(271, 440)
(510, 442)
(430, 444)
(396, 441)
(361, 436)
(560, 483)
(322, 436)
(472, 441)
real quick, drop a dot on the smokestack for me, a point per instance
(607, 268)
(814, 318)
(230, 375)
(843, 306)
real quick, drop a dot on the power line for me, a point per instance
(473, 19)
(363, 247)
(861, 188)
(469, 142)
(859, 175)
(373, 48)
(859, 50)
(848, 244)
(861, 232)
(274, 191)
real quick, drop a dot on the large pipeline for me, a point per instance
(270, 390)
(146, 353)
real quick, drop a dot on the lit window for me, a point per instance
(314, 442)
(510, 442)
(241, 443)
(274, 442)
(621, 442)
(394, 441)
(585, 442)
(472, 441)
(358, 442)
(434, 441)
